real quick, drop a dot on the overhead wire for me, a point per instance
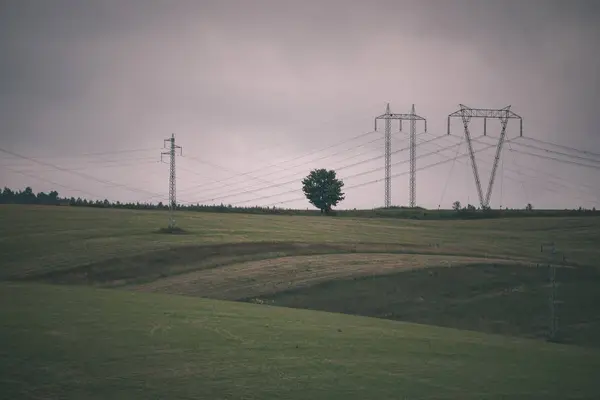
(519, 175)
(553, 176)
(449, 174)
(517, 142)
(240, 174)
(525, 191)
(219, 167)
(243, 174)
(164, 195)
(80, 174)
(103, 153)
(557, 159)
(296, 179)
(562, 180)
(103, 164)
(311, 152)
(296, 175)
(44, 180)
(88, 167)
(379, 179)
(347, 177)
(560, 146)
(86, 162)
(292, 159)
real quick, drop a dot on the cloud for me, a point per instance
(230, 77)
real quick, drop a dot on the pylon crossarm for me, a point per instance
(401, 116)
(485, 113)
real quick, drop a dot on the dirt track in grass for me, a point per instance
(263, 277)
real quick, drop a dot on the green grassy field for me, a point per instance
(74, 343)
(37, 239)
(495, 298)
(141, 339)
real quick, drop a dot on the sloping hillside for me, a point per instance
(83, 343)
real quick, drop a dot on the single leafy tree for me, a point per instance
(322, 189)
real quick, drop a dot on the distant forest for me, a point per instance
(28, 196)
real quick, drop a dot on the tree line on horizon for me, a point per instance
(28, 196)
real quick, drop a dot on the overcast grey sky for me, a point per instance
(246, 84)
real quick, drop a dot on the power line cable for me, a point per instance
(236, 192)
(381, 179)
(242, 173)
(87, 155)
(295, 180)
(557, 159)
(449, 175)
(81, 174)
(312, 152)
(104, 153)
(517, 142)
(348, 177)
(520, 174)
(179, 167)
(88, 162)
(295, 174)
(525, 191)
(280, 169)
(48, 181)
(556, 177)
(82, 168)
(561, 146)
(220, 167)
(376, 180)
(561, 183)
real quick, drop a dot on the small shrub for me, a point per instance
(172, 231)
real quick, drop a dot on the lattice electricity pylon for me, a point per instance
(412, 117)
(172, 177)
(503, 114)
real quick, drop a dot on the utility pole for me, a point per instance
(553, 328)
(172, 177)
(388, 117)
(466, 114)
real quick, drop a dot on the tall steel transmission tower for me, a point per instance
(413, 159)
(172, 177)
(503, 114)
(388, 117)
(388, 158)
